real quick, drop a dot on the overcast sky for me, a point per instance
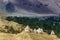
(28, 8)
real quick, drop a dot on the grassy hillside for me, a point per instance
(10, 30)
(6, 36)
(10, 26)
(47, 23)
(33, 36)
(27, 36)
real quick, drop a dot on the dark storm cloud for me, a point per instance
(27, 8)
(37, 7)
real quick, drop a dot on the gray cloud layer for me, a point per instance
(50, 10)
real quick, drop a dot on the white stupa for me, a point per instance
(31, 30)
(39, 30)
(52, 32)
(35, 31)
(27, 29)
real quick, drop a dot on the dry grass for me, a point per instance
(27, 36)
(23, 35)
(33, 36)
(6, 36)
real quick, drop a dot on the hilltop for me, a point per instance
(10, 30)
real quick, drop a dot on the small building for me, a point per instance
(39, 30)
(31, 30)
(27, 29)
(35, 31)
(52, 32)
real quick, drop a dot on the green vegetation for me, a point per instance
(47, 24)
